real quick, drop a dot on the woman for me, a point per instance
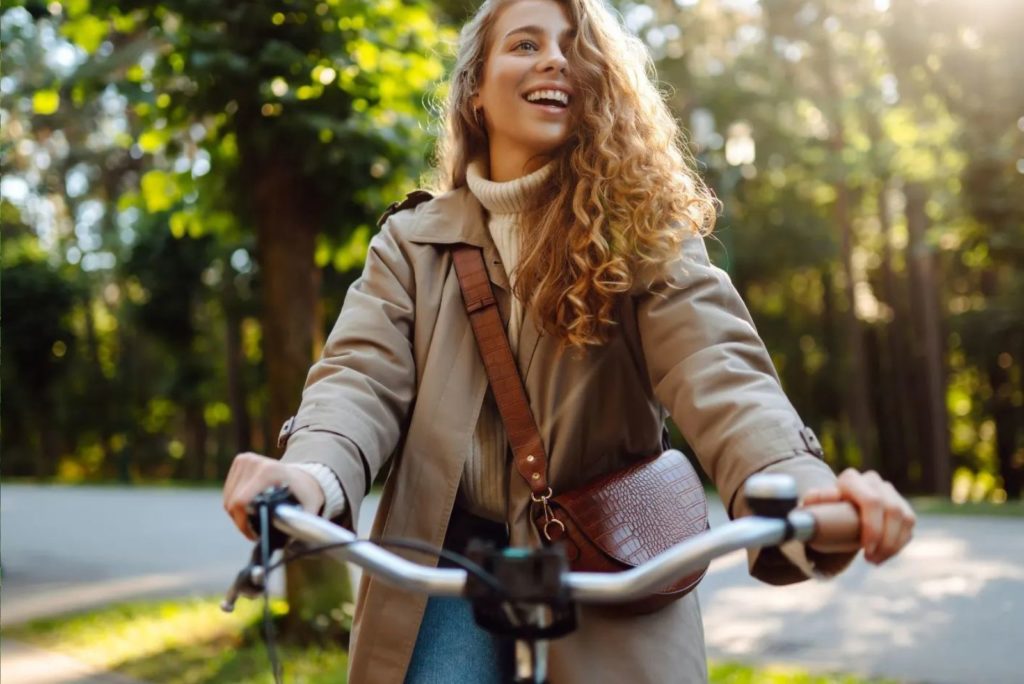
(562, 163)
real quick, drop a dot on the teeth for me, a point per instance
(557, 95)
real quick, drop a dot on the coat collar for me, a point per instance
(452, 218)
(457, 217)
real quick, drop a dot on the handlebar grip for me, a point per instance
(836, 527)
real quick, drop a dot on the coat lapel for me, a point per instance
(457, 217)
(529, 336)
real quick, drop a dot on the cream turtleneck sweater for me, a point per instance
(485, 477)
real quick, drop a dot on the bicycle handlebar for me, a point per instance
(831, 527)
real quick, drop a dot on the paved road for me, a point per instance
(68, 548)
(950, 610)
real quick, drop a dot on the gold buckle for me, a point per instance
(543, 498)
(552, 521)
(549, 517)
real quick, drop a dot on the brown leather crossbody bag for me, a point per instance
(613, 523)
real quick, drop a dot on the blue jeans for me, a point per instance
(452, 649)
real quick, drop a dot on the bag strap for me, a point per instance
(509, 393)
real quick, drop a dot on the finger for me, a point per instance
(906, 534)
(238, 506)
(907, 520)
(241, 519)
(892, 528)
(873, 477)
(908, 512)
(898, 522)
(866, 495)
(239, 465)
(821, 495)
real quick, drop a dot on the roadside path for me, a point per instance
(947, 611)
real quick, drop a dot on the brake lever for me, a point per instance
(249, 582)
(252, 578)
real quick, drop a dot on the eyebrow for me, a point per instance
(536, 31)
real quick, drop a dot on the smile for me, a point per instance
(548, 97)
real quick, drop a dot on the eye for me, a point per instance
(525, 45)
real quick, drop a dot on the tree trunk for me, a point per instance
(288, 219)
(287, 224)
(195, 439)
(828, 394)
(48, 460)
(102, 408)
(898, 428)
(241, 423)
(928, 326)
(857, 395)
(1004, 413)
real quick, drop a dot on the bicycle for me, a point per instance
(530, 595)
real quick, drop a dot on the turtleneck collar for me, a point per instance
(509, 197)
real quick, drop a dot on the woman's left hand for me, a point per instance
(886, 518)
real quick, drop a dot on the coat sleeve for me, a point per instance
(710, 369)
(357, 395)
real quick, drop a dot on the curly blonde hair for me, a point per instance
(623, 194)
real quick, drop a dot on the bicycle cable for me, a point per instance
(412, 544)
(268, 622)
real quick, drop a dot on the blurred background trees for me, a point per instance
(189, 187)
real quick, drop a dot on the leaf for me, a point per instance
(76, 8)
(159, 191)
(45, 102)
(367, 55)
(179, 223)
(153, 140)
(87, 32)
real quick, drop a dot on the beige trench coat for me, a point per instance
(400, 374)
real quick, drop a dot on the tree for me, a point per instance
(292, 123)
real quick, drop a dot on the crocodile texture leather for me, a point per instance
(626, 518)
(615, 522)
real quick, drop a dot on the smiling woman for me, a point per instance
(562, 166)
(622, 196)
(525, 95)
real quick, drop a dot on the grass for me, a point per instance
(192, 642)
(738, 673)
(934, 505)
(182, 642)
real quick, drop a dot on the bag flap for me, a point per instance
(636, 513)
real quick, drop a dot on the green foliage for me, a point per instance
(846, 105)
(334, 90)
(36, 302)
(138, 141)
(156, 122)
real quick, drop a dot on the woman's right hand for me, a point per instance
(252, 473)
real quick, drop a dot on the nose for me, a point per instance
(554, 60)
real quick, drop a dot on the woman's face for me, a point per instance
(526, 94)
